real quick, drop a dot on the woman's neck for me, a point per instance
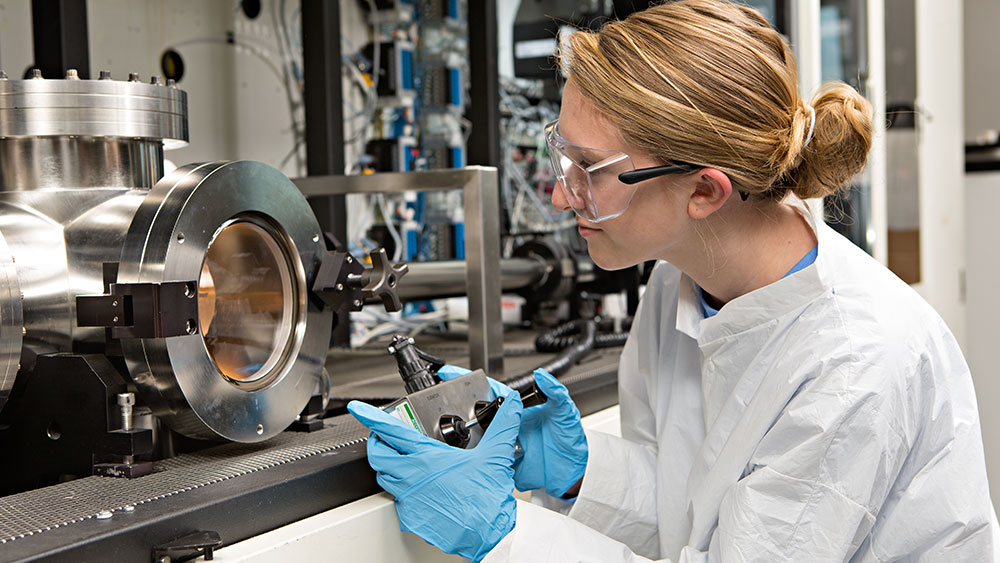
(744, 247)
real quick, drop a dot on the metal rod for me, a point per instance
(427, 280)
(390, 182)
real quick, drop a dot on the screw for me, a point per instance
(171, 83)
(392, 349)
(24, 331)
(125, 401)
(3, 75)
(410, 340)
(105, 75)
(104, 515)
(114, 303)
(129, 508)
(156, 81)
(357, 302)
(36, 73)
(133, 77)
(72, 74)
(350, 259)
(114, 319)
(340, 287)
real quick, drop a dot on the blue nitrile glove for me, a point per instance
(457, 500)
(555, 448)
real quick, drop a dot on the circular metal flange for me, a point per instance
(169, 240)
(11, 322)
(93, 108)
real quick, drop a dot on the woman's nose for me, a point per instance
(559, 199)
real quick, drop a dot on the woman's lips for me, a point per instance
(587, 231)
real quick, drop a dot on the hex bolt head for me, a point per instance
(126, 399)
(105, 75)
(72, 74)
(35, 74)
(129, 508)
(392, 349)
(3, 75)
(104, 515)
(133, 77)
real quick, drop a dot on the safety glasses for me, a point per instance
(599, 184)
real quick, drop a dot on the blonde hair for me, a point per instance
(710, 82)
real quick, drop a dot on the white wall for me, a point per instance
(982, 67)
(941, 158)
(982, 112)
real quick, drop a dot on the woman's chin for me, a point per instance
(608, 260)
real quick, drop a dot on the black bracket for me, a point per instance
(142, 310)
(331, 283)
(188, 547)
(343, 282)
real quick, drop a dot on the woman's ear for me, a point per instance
(712, 189)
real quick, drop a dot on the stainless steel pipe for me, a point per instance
(431, 280)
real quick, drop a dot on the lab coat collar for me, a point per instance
(762, 305)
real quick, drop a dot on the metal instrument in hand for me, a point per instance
(457, 411)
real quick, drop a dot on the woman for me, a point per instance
(783, 396)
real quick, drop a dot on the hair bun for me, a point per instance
(838, 150)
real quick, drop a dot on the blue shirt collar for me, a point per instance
(806, 261)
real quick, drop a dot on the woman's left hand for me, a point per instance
(457, 500)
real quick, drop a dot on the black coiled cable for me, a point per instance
(565, 360)
(566, 335)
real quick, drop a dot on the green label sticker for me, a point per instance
(403, 412)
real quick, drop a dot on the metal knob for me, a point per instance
(381, 279)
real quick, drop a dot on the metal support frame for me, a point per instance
(480, 194)
(324, 116)
(60, 37)
(484, 92)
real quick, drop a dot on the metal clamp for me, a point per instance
(142, 310)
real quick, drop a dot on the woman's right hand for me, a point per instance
(551, 437)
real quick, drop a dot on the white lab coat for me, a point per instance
(829, 416)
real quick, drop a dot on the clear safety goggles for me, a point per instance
(599, 184)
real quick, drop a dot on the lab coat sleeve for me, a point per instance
(617, 497)
(618, 494)
(542, 535)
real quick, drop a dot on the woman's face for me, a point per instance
(656, 220)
